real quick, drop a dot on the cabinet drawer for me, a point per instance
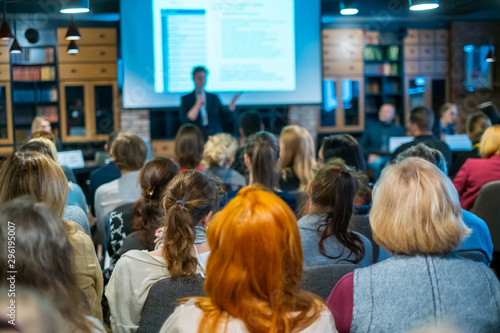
(339, 36)
(163, 147)
(88, 54)
(342, 68)
(441, 36)
(344, 53)
(426, 36)
(5, 72)
(441, 66)
(87, 71)
(4, 54)
(411, 67)
(411, 51)
(427, 51)
(412, 37)
(426, 67)
(90, 36)
(442, 52)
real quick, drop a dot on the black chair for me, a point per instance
(477, 256)
(302, 198)
(361, 224)
(320, 280)
(131, 242)
(164, 297)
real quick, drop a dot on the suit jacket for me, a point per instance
(217, 116)
(473, 175)
(375, 139)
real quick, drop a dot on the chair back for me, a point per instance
(320, 280)
(361, 224)
(164, 297)
(486, 208)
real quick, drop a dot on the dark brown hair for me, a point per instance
(189, 146)
(263, 151)
(476, 125)
(148, 210)
(43, 258)
(129, 152)
(422, 117)
(333, 193)
(188, 198)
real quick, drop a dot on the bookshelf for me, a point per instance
(35, 89)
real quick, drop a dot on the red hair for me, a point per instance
(255, 267)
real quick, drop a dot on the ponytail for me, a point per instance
(263, 150)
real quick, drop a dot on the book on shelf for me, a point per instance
(34, 73)
(50, 112)
(35, 95)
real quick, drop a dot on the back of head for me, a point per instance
(250, 123)
(416, 210)
(37, 124)
(188, 146)
(423, 118)
(49, 144)
(476, 124)
(189, 198)
(431, 155)
(34, 175)
(129, 152)
(297, 154)
(262, 292)
(154, 178)
(111, 138)
(219, 149)
(263, 151)
(333, 192)
(43, 256)
(345, 147)
(491, 111)
(490, 142)
(35, 146)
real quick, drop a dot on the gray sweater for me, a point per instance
(404, 293)
(310, 238)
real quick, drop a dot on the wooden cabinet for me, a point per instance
(6, 127)
(90, 36)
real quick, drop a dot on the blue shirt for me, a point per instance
(99, 177)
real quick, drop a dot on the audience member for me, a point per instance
(416, 216)
(326, 239)
(445, 125)
(476, 124)
(480, 238)
(39, 177)
(297, 160)
(129, 153)
(189, 147)
(491, 111)
(478, 171)
(250, 123)
(42, 124)
(219, 154)
(375, 139)
(345, 147)
(43, 261)
(253, 274)
(262, 153)
(421, 123)
(104, 174)
(190, 199)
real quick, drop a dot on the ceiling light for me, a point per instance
(491, 55)
(73, 48)
(73, 33)
(348, 7)
(5, 32)
(417, 5)
(75, 6)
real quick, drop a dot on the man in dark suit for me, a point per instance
(421, 124)
(204, 109)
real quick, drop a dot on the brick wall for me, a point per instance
(136, 122)
(304, 116)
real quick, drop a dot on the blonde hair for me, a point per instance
(37, 123)
(416, 210)
(219, 149)
(297, 154)
(490, 142)
(49, 144)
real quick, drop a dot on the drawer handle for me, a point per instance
(103, 53)
(73, 70)
(103, 70)
(102, 35)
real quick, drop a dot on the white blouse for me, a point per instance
(129, 285)
(186, 318)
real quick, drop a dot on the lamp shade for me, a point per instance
(417, 5)
(73, 48)
(348, 7)
(73, 33)
(5, 32)
(74, 6)
(15, 48)
(490, 57)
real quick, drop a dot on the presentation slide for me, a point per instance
(267, 49)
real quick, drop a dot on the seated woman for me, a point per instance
(326, 239)
(297, 162)
(190, 198)
(253, 274)
(42, 261)
(345, 147)
(189, 148)
(42, 124)
(476, 172)
(39, 177)
(219, 155)
(416, 216)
